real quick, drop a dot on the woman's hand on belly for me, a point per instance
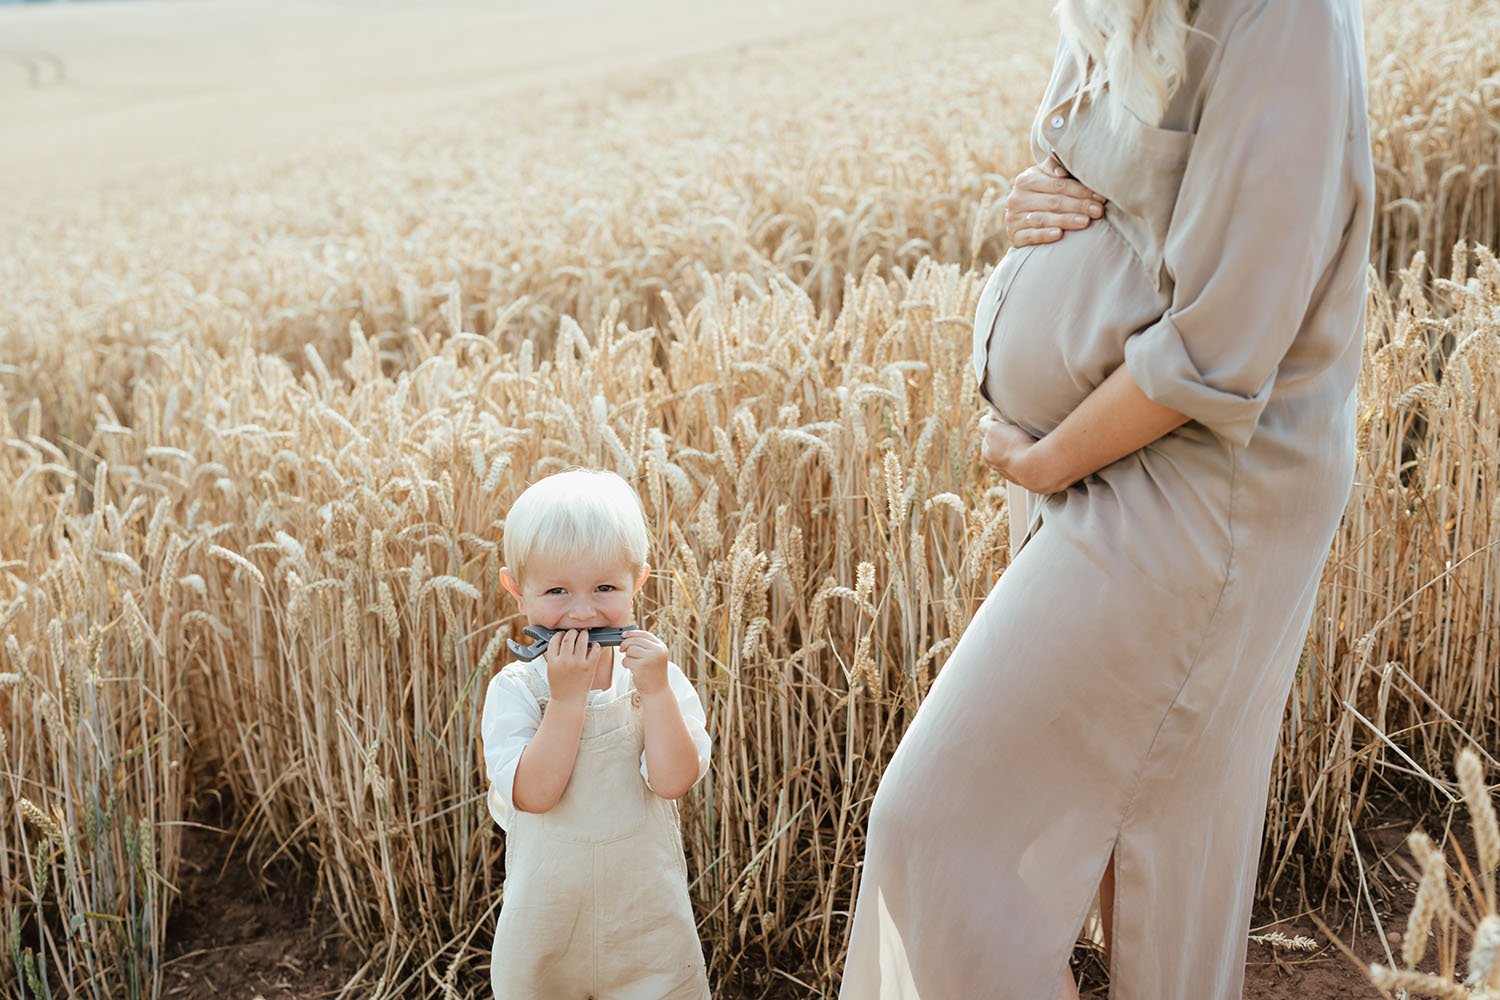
(1008, 450)
(1045, 201)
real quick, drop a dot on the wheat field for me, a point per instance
(261, 423)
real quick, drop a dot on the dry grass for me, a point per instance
(316, 535)
(1401, 664)
(1434, 110)
(557, 208)
(1453, 905)
(258, 440)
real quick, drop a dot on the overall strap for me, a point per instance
(536, 686)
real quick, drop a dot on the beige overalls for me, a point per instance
(596, 901)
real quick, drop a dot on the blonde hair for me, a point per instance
(580, 512)
(1138, 48)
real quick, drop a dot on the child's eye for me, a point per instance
(607, 586)
(554, 590)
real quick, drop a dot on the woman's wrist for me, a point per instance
(1039, 470)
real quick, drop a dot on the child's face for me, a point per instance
(576, 593)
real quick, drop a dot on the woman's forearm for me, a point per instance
(1117, 418)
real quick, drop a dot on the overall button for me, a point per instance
(1057, 121)
(635, 702)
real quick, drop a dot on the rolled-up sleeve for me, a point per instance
(693, 715)
(1256, 221)
(509, 721)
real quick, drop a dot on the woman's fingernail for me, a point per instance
(1096, 210)
(1078, 220)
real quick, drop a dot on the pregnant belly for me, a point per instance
(1053, 323)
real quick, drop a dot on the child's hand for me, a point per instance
(645, 656)
(572, 662)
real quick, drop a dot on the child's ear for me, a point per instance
(640, 580)
(510, 583)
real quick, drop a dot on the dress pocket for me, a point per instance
(1138, 167)
(1167, 145)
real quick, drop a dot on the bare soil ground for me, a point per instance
(241, 935)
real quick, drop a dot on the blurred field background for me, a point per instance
(277, 353)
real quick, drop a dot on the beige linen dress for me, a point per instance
(1122, 686)
(596, 900)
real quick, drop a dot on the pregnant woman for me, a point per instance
(1171, 398)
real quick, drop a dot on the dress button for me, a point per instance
(635, 702)
(1057, 121)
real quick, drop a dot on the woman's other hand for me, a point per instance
(1045, 201)
(1010, 451)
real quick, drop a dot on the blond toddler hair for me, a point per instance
(580, 512)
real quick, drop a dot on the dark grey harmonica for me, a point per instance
(602, 636)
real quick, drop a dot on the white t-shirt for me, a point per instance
(512, 715)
